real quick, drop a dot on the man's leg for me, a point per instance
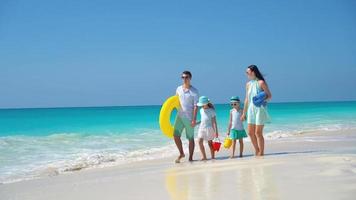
(191, 149)
(179, 145)
(178, 129)
(189, 131)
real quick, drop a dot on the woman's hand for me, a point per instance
(243, 117)
(216, 135)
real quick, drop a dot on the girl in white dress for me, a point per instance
(208, 129)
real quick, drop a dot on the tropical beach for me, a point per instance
(34, 145)
(76, 165)
(296, 167)
(178, 100)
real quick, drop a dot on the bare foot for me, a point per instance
(179, 158)
(232, 157)
(260, 154)
(241, 155)
(203, 159)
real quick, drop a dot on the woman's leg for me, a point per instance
(241, 141)
(212, 152)
(260, 139)
(202, 149)
(251, 132)
(233, 149)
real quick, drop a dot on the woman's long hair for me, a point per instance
(257, 72)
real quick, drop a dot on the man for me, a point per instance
(186, 118)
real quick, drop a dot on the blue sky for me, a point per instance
(99, 53)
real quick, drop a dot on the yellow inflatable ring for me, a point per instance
(165, 115)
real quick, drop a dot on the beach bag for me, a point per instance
(259, 99)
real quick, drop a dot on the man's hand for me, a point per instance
(194, 122)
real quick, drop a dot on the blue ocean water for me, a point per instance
(48, 141)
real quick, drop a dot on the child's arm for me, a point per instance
(230, 124)
(215, 126)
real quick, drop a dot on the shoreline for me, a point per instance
(155, 156)
(322, 158)
(50, 172)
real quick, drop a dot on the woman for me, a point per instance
(256, 116)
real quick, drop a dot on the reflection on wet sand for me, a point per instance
(240, 179)
(256, 181)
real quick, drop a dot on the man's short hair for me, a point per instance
(187, 73)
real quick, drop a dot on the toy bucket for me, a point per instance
(216, 144)
(227, 142)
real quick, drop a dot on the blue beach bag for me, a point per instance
(259, 99)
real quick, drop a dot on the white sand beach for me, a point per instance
(318, 165)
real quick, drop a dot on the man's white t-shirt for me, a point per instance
(188, 100)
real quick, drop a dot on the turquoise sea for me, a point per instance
(48, 141)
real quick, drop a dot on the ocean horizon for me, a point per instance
(37, 142)
(104, 106)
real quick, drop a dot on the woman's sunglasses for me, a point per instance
(185, 77)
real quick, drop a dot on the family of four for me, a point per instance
(256, 116)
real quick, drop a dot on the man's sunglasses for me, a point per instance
(185, 77)
(234, 104)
